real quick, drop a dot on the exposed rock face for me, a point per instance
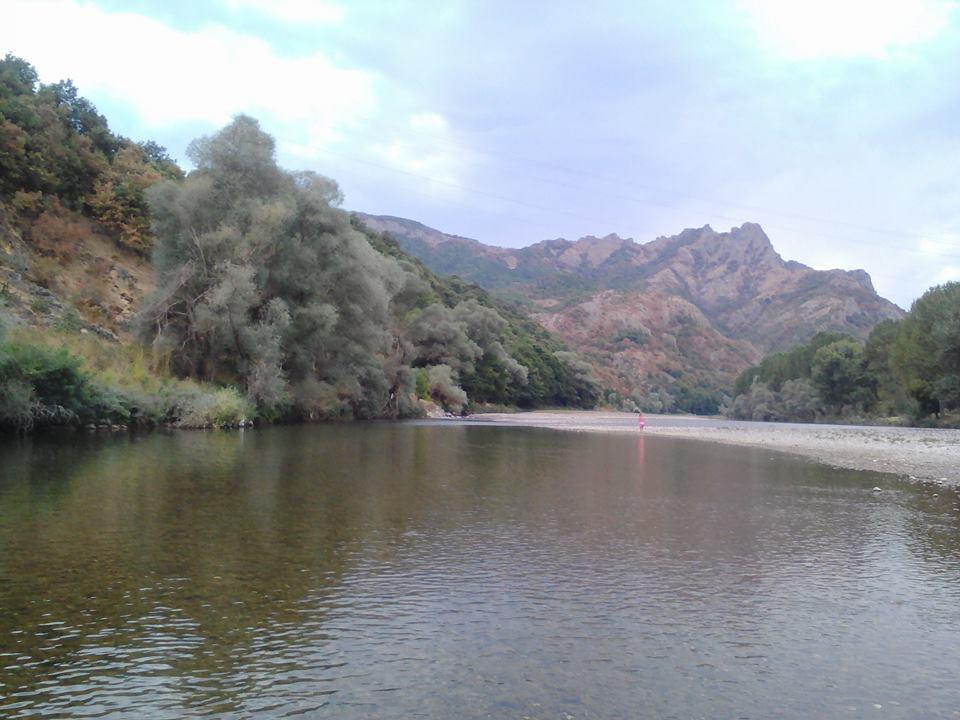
(700, 306)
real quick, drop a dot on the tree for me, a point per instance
(799, 400)
(263, 282)
(926, 351)
(839, 374)
(118, 199)
(881, 368)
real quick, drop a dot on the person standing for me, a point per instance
(641, 421)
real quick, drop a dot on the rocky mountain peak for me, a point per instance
(747, 241)
(862, 277)
(701, 304)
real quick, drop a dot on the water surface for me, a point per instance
(402, 570)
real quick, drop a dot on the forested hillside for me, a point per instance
(263, 299)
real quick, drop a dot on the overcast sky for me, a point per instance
(833, 123)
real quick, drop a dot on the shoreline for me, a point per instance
(918, 455)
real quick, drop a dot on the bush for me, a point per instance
(444, 390)
(17, 405)
(217, 408)
(45, 383)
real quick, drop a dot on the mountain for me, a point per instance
(669, 322)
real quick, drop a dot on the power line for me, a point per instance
(476, 191)
(619, 182)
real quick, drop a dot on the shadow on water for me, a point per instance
(388, 569)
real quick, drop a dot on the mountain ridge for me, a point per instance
(728, 297)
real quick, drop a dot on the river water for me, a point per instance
(414, 570)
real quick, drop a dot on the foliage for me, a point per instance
(550, 381)
(892, 397)
(219, 407)
(64, 379)
(57, 152)
(796, 401)
(839, 373)
(799, 400)
(776, 369)
(698, 399)
(443, 389)
(907, 367)
(42, 386)
(264, 283)
(926, 351)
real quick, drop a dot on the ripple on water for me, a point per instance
(397, 571)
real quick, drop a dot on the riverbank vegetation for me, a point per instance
(907, 369)
(262, 298)
(54, 378)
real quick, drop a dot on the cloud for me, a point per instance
(812, 29)
(312, 12)
(939, 244)
(424, 153)
(948, 273)
(428, 121)
(169, 76)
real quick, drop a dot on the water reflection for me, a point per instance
(387, 570)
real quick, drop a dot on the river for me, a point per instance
(401, 570)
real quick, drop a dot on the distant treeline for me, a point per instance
(907, 368)
(272, 298)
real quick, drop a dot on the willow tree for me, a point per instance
(262, 282)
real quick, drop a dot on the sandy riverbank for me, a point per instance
(916, 454)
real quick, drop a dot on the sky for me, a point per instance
(835, 124)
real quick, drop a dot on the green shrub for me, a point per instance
(46, 385)
(423, 384)
(212, 408)
(49, 381)
(17, 405)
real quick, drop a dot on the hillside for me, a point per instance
(132, 293)
(670, 322)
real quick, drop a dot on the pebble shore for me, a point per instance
(914, 454)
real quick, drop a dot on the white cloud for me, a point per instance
(947, 273)
(939, 244)
(427, 149)
(172, 79)
(810, 29)
(169, 76)
(428, 121)
(312, 12)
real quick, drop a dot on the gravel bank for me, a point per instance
(916, 454)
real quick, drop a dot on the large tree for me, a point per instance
(839, 373)
(265, 283)
(926, 352)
